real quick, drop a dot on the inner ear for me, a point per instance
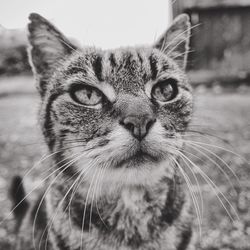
(175, 41)
(47, 47)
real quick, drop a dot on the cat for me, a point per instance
(113, 122)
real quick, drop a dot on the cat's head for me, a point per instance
(119, 111)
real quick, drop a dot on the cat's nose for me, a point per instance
(138, 126)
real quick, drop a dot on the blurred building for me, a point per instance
(220, 44)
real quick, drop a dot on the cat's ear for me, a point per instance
(175, 41)
(47, 46)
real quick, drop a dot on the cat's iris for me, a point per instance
(165, 91)
(86, 95)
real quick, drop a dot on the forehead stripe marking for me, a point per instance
(112, 60)
(127, 61)
(140, 58)
(153, 66)
(97, 67)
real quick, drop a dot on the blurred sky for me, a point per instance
(104, 23)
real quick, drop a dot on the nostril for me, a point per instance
(122, 123)
(150, 124)
(129, 126)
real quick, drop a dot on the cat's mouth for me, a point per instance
(139, 158)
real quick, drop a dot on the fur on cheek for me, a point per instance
(121, 145)
(158, 143)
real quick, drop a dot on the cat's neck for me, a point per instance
(163, 179)
(130, 199)
(135, 210)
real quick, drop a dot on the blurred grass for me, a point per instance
(220, 113)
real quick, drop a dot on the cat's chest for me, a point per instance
(132, 211)
(133, 220)
(136, 217)
(133, 200)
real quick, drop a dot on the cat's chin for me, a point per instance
(133, 173)
(139, 159)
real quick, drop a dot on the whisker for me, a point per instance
(29, 193)
(49, 224)
(218, 147)
(214, 187)
(78, 179)
(41, 161)
(98, 190)
(92, 200)
(182, 54)
(198, 185)
(191, 133)
(67, 165)
(44, 158)
(75, 190)
(194, 198)
(85, 208)
(214, 162)
(177, 37)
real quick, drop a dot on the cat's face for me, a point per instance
(121, 111)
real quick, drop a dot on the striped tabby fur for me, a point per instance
(115, 183)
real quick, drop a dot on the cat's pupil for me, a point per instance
(167, 91)
(164, 91)
(86, 95)
(89, 93)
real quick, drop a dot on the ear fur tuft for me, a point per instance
(175, 41)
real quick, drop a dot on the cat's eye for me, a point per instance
(165, 91)
(86, 95)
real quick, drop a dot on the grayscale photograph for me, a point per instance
(125, 125)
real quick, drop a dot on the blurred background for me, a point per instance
(218, 140)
